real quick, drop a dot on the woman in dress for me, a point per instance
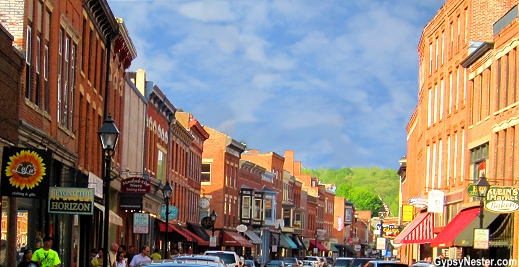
(120, 261)
(98, 259)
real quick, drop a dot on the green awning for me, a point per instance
(334, 248)
(285, 241)
(466, 237)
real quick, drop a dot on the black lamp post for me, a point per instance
(166, 190)
(482, 188)
(279, 242)
(213, 219)
(381, 215)
(108, 134)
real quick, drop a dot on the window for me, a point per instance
(66, 79)
(161, 165)
(478, 156)
(430, 109)
(258, 209)
(442, 92)
(443, 46)
(436, 52)
(206, 173)
(28, 60)
(450, 92)
(430, 58)
(269, 209)
(435, 105)
(245, 207)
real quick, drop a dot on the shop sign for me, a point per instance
(141, 223)
(481, 238)
(390, 231)
(381, 243)
(407, 213)
(173, 212)
(241, 228)
(25, 172)
(435, 201)
(472, 191)
(70, 200)
(502, 199)
(135, 185)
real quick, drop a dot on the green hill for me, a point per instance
(363, 186)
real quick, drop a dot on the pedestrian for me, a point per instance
(46, 256)
(121, 261)
(97, 261)
(27, 259)
(130, 253)
(112, 254)
(156, 255)
(143, 256)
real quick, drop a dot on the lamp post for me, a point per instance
(213, 220)
(482, 188)
(279, 242)
(108, 135)
(381, 215)
(166, 191)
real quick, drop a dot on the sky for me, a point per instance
(335, 81)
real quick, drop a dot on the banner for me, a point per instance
(25, 172)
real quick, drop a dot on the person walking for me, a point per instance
(46, 256)
(97, 261)
(156, 255)
(121, 260)
(143, 256)
(112, 254)
(27, 259)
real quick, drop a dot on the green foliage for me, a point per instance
(363, 185)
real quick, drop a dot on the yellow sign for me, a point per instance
(407, 213)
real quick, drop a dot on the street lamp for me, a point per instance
(108, 135)
(279, 242)
(381, 215)
(213, 220)
(482, 188)
(166, 190)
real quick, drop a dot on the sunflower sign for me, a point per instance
(25, 172)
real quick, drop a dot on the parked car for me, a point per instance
(359, 262)
(329, 261)
(342, 261)
(290, 262)
(312, 261)
(199, 259)
(381, 263)
(250, 263)
(275, 263)
(172, 263)
(229, 258)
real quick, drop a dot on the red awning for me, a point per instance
(174, 228)
(419, 231)
(162, 227)
(446, 237)
(235, 239)
(318, 245)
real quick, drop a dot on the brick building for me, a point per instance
(457, 132)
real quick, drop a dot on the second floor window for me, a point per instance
(206, 173)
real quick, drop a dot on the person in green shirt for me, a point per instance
(46, 256)
(156, 255)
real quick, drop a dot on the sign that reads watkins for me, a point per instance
(502, 199)
(25, 172)
(135, 185)
(69, 200)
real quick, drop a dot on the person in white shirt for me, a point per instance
(143, 256)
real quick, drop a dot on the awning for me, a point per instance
(418, 231)
(299, 242)
(113, 218)
(338, 247)
(198, 230)
(285, 242)
(460, 231)
(318, 245)
(196, 238)
(234, 239)
(255, 239)
(172, 228)
(333, 248)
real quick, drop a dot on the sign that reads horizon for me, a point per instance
(502, 199)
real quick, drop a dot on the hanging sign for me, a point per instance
(25, 172)
(502, 199)
(435, 201)
(141, 223)
(135, 185)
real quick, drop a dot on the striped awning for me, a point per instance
(419, 231)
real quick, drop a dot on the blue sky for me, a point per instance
(335, 81)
